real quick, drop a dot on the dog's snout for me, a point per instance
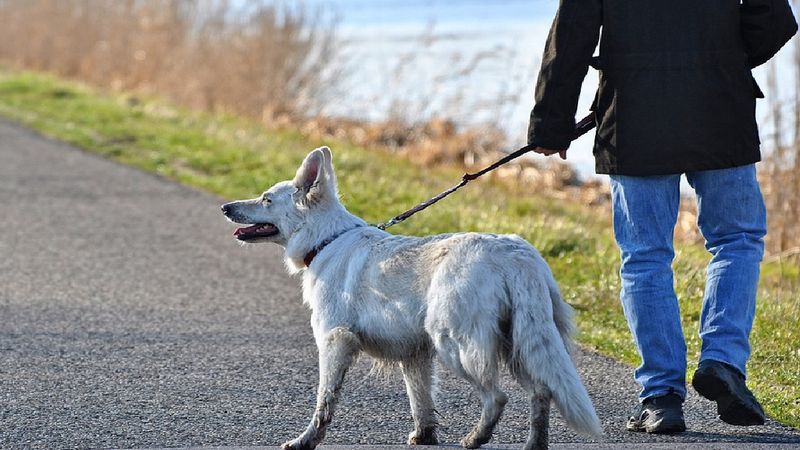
(226, 208)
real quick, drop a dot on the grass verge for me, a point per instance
(237, 158)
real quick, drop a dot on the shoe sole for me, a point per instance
(730, 407)
(660, 427)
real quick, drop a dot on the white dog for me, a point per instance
(474, 300)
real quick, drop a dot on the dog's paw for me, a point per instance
(474, 440)
(426, 436)
(300, 443)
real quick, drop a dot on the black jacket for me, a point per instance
(676, 91)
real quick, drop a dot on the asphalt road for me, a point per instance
(130, 317)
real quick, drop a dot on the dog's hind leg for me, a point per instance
(540, 419)
(418, 374)
(336, 354)
(494, 401)
(540, 412)
(480, 369)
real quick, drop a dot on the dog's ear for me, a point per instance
(329, 173)
(314, 178)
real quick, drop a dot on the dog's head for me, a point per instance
(284, 208)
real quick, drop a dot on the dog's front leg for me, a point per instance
(418, 374)
(336, 354)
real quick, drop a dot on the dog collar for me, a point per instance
(314, 251)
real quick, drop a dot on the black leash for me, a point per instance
(581, 128)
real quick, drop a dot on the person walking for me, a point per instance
(676, 96)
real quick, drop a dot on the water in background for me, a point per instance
(473, 61)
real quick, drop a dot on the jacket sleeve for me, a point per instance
(568, 51)
(766, 26)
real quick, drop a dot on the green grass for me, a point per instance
(237, 158)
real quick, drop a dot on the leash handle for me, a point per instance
(581, 128)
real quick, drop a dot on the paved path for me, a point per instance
(129, 317)
(561, 446)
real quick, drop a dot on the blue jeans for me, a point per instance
(732, 218)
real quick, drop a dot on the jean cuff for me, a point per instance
(663, 391)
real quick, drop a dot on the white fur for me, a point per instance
(476, 301)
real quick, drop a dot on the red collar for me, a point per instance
(315, 251)
(310, 256)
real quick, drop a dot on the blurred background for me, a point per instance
(442, 81)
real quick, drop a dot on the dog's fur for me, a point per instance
(476, 301)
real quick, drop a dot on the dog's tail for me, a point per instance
(542, 340)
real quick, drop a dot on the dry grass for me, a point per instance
(274, 63)
(781, 175)
(781, 187)
(266, 61)
(262, 60)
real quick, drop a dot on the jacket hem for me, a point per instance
(609, 169)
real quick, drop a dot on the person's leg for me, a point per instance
(732, 218)
(645, 210)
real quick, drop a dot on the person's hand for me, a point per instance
(548, 152)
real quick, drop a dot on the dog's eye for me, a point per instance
(265, 199)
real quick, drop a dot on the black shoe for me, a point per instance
(662, 414)
(723, 384)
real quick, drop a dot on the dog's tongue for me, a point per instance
(245, 230)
